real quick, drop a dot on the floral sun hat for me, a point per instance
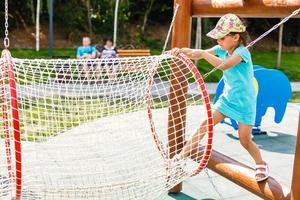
(227, 24)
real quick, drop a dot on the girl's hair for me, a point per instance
(244, 36)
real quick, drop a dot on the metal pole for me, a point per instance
(37, 34)
(50, 51)
(198, 44)
(279, 46)
(116, 22)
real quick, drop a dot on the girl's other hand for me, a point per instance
(197, 54)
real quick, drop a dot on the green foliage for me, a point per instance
(71, 16)
(71, 19)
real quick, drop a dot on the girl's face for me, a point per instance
(229, 42)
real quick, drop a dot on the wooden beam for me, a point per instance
(227, 3)
(251, 8)
(277, 3)
(295, 194)
(243, 176)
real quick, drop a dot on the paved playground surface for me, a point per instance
(278, 148)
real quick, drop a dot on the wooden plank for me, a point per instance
(251, 8)
(134, 52)
(278, 3)
(227, 3)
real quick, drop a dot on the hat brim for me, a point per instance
(216, 34)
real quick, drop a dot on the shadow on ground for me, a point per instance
(182, 196)
(273, 142)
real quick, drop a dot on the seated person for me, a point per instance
(86, 51)
(107, 52)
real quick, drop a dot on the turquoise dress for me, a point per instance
(238, 100)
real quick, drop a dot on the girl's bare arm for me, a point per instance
(219, 63)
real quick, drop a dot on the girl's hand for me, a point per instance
(196, 54)
(175, 51)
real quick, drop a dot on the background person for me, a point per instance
(86, 51)
(108, 52)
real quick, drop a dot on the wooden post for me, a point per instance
(179, 85)
(295, 194)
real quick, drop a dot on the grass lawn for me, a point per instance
(290, 61)
(295, 98)
(43, 53)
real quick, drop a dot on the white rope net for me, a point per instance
(99, 129)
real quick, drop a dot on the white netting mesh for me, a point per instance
(99, 129)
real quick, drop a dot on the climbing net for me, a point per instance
(106, 129)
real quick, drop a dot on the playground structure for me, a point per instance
(225, 166)
(53, 128)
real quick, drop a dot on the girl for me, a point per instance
(238, 100)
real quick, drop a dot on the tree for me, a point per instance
(147, 12)
(88, 7)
